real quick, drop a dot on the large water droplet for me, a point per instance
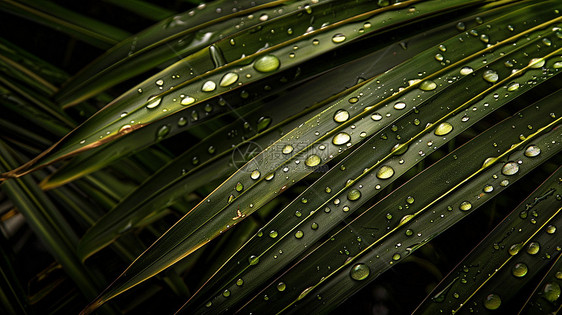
(400, 105)
(209, 86)
(533, 248)
(519, 270)
(312, 160)
(253, 260)
(341, 115)
(263, 123)
(513, 87)
(466, 70)
(465, 206)
(341, 138)
(281, 286)
(492, 302)
(255, 174)
(153, 102)
(428, 85)
(353, 194)
(299, 234)
(338, 38)
(536, 63)
(490, 76)
(443, 129)
(229, 79)
(273, 234)
(532, 151)
(187, 100)
(510, 168)
(551, 291)
(385, 172)
(288, 149)
(360, 272)
(267, 63)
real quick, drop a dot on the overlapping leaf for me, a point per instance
(315, 152)
(508, 259)
(408, 218)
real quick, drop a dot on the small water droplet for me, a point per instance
(287, 149)
(281, 286)
(299, 234)
(273, 234)
(153, 102)
(240, 282)
(376, 117)
(460, 26)
(226, 293)
(239, 187)
(536, 63)
(513, 87)
(253, 260)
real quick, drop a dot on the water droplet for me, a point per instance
(488, 188)
(229, 79)
(341, 138)
(353, 195)
(239, 187)
(253, 260)
(443, 129)
(519, 270)
(513, 87)
(263, 123)
(385, 172)
(159, 82)
(490, 76)
(182, 122)
(460, 26)
(267, 63)
(400, 105)
(428, 85)
(510, 168)
(551, 291)
(255, 174)
(226, 293)
(209, 86)
(466, 70)
(341, 116)
(532, 151)
(465, 206)
(187, 100)
(410, 200)
(439, 57)
(360, 272)
(396, 256)
(314, 226)
(536, 63)
(338, 38)
(240, 282)
(312, 160)
(269, 176)
(287, 149)
(281, 286)
(484, 38)
(162, 132)
(273, 234)
(492, 302)
(376, 117)
(124, 130)
(551, 229)
(299, 234)
(153, 102)
(533, 248)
